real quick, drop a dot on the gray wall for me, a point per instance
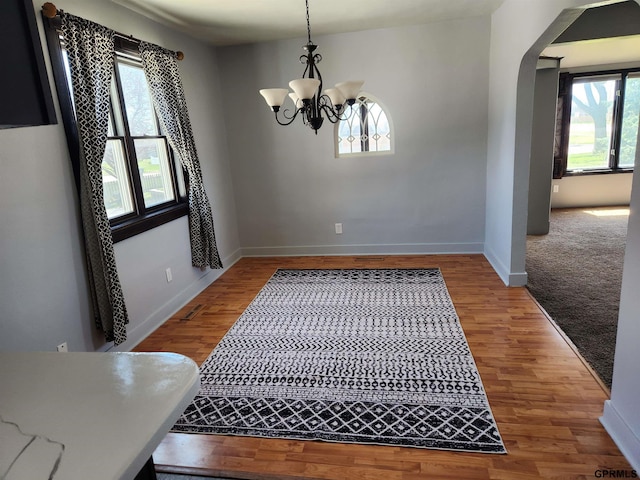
(427, 197)
(613, 20)
(43, 287)
(541, 167)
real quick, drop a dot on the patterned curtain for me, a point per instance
(161, 69)
(91, 55)
(563, 118)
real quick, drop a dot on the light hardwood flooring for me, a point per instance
(545, 400)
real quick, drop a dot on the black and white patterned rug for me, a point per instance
(372, 356)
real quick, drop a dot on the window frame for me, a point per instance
(143, 218)
(364, 143)
(565, 92)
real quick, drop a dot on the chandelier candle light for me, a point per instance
(309, 99)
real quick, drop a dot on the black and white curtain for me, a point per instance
(161, 69)
(90, 49)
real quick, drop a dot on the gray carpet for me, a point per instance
(575, 273)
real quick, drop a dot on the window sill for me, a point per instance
(608, 171)
(365, 154)
(138, 225)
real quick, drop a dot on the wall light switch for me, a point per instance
(169, 276)
(556, 188)
(338, 228)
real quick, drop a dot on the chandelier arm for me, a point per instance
(332, 110)
(332, 114)
(326, 101)
(290, 119)
(295, 113)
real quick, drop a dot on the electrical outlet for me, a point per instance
(169, 276)
(338, 228)
(556, 188)
(62, 347)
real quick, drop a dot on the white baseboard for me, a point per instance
(510, 279)
(157, 318)
(387, 249)
(166, 311)
(622, 435)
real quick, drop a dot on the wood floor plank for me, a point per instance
(545, 400)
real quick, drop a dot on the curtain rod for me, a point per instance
(49, 10)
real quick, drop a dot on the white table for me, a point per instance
(88, 415)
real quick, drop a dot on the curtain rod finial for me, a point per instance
(49, 10)
(179, 55)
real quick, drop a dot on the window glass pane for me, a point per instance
(155, 174)
(137, 101)
(366, 129)
(115, 178)
(591, 124)
(631, 111)
(349, 132)
(380, 133)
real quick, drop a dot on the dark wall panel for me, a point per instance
(24, 86)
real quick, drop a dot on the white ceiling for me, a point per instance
(228, 22)
(602, 51)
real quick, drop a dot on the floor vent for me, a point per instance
(191, 313)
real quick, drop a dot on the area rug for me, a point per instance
(373, 356)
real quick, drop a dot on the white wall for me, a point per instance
(541, 163)
(622, 415)
(43, 286)
(427, 197)
(592, 190)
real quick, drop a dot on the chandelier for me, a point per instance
(310, 102)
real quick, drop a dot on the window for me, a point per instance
(143, 186)
(133, 128)
(598, 121)
(366, 129)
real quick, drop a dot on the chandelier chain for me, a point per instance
(308, 23)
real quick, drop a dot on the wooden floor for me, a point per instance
(544, 399)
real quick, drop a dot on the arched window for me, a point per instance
(366, 130)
